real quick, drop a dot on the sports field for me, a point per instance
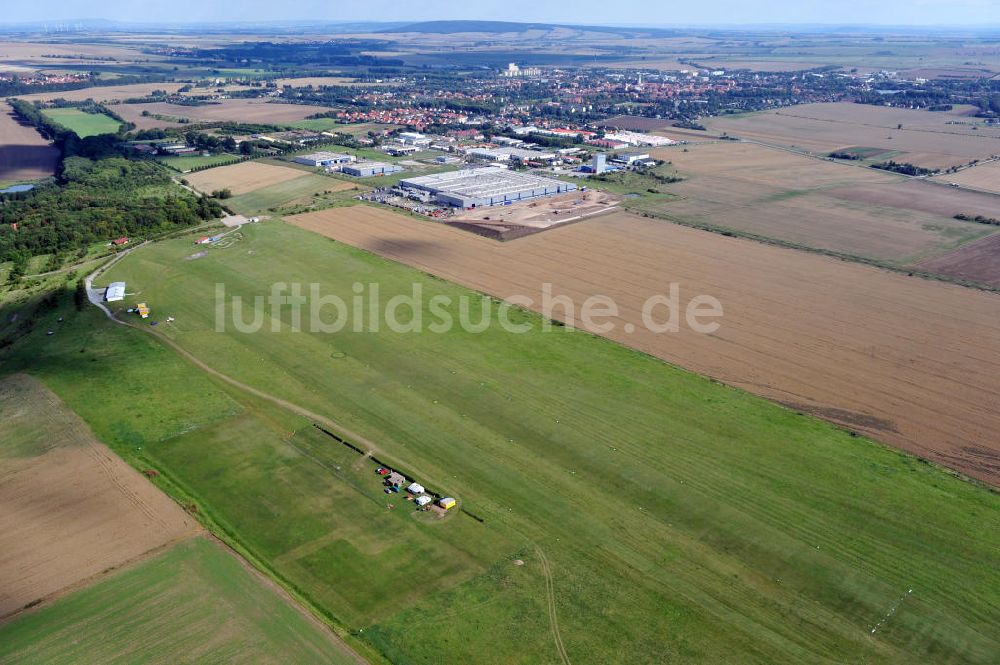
(817, 204)
(648, 506)
(84, 124)
(193, 603)
(924, 138)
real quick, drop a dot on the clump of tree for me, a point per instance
(97, 200)
(979, 219)
(844, 155)
(222, 193)
(904, 168)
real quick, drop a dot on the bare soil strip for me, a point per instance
(911, 362)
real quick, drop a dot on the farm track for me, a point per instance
(550, 598)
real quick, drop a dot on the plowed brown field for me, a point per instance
(933, 140)
(236, 110)
(978, 261)
(858, 211)
(24, 154)
(69, 507)
(911, 362)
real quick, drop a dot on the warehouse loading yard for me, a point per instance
(526, 217)
(482, 187)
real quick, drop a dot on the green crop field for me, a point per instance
(84, 124)
(185, 163)
(192, 603)
(283, 193)
(318, 124)
(659, 516)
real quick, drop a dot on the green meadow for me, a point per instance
(298, 190)
(185, 163)
(613, 508)
(193, 603)
(83, 124)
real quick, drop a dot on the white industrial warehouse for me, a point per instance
(318, 159)
(369, 169)
(487, 186)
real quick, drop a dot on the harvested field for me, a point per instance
(236, 110)
(49, 54)
(24, 154)
(983, 176)
(241, 178)
(928, 139)
(105, 93)
(977, 262)
(818, 204)
(70, 509)
(761, 65)
(917, 369)
(315, 81)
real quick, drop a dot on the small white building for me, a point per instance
(115, 292)
(414, 138)
(415, 488)
(423, 500)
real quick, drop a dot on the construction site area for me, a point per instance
(517, 220)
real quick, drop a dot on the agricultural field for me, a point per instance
(185, 163)
(50, 54)
(193, 603)
(242, 178)
(924, 138)
(816, 204)
(843, 354)
(978, 262)
(985, 177)
(105, 93)
(235, 110)
(24, 154)
(297, 191)
(84, 124)
(70, 509)
(314, 81)
(564, 444)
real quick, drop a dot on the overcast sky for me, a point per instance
(619, 12)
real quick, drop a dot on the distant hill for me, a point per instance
(453, 27)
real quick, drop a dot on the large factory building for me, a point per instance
(488, 186)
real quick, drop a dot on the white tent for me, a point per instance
(423, 500)
(415, 488)
(115, 292)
